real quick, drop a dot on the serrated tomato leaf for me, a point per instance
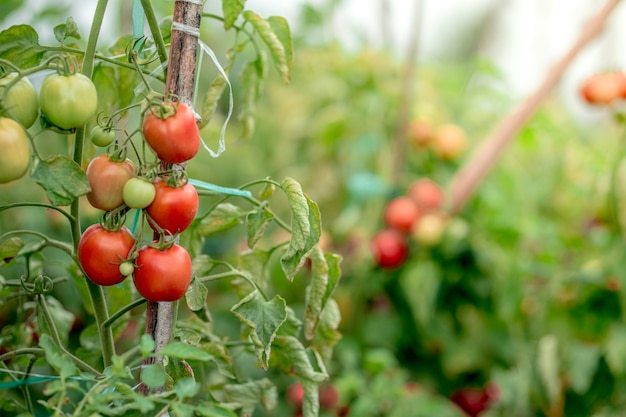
(62, 179)
(264, 318)
(20, 45)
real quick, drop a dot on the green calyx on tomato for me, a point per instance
(162, 275)
(16, 154)
(138, 193)
(68, 101)
(107, 179)
(102, 252)
(172, 132)
(20, 100)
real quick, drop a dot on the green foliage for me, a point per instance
(84, 341)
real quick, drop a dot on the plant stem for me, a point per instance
(96, 293)
(153, 24)
(123, 311)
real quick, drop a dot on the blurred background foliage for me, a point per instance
(526, 291)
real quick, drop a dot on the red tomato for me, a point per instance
(174, 139)
(604, 88)
(107, 179)
(100, 253)
(389, 249)
(401, 214)
(427, 195)
(162, 275)
(173, 208)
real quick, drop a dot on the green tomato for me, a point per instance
(20, 100)
(102, 136)
(127, 268)
(15, 155)
(68, 101)
(138, 193)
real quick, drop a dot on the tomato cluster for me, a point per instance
(161, 270)
(67, 101)
(416, 215)
(447, 141)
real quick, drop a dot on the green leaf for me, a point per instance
(224, 217)
(196, 295)
(9, 249)
(20, 45)
(186, 388)
(420, 282)
(69, 29)
(154, 375)
(231, 10)
(257, 221)
(146, 345)
(55, 357)
(208, 409)
(62, 179)
(315, 291)
(310, 402)
(305, 228)
(616, 349)
(215, 91)
(548, 364)
(291, 355)
(61, 318)
(249, 394)
(250, 82)
(273, 42)
(327, 334)
(582, 360)
(280, 26)
(104, 78)
(254, 262)
(264, 318)
(185, 351)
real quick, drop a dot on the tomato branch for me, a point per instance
(485, 156)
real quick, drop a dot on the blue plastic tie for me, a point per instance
(236, 192)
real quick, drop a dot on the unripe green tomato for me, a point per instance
(138, 193)
(15, 154)
(21, 100)
(68, 101)
(127, 268)
(102, 136)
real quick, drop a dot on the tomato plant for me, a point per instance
(138, 193)
(20, 100)
(173, 135)
(109, 348)
(68, 101)
(173, 207)
(101, 252)
(162, 275)
(107, 179)
(15, 157)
